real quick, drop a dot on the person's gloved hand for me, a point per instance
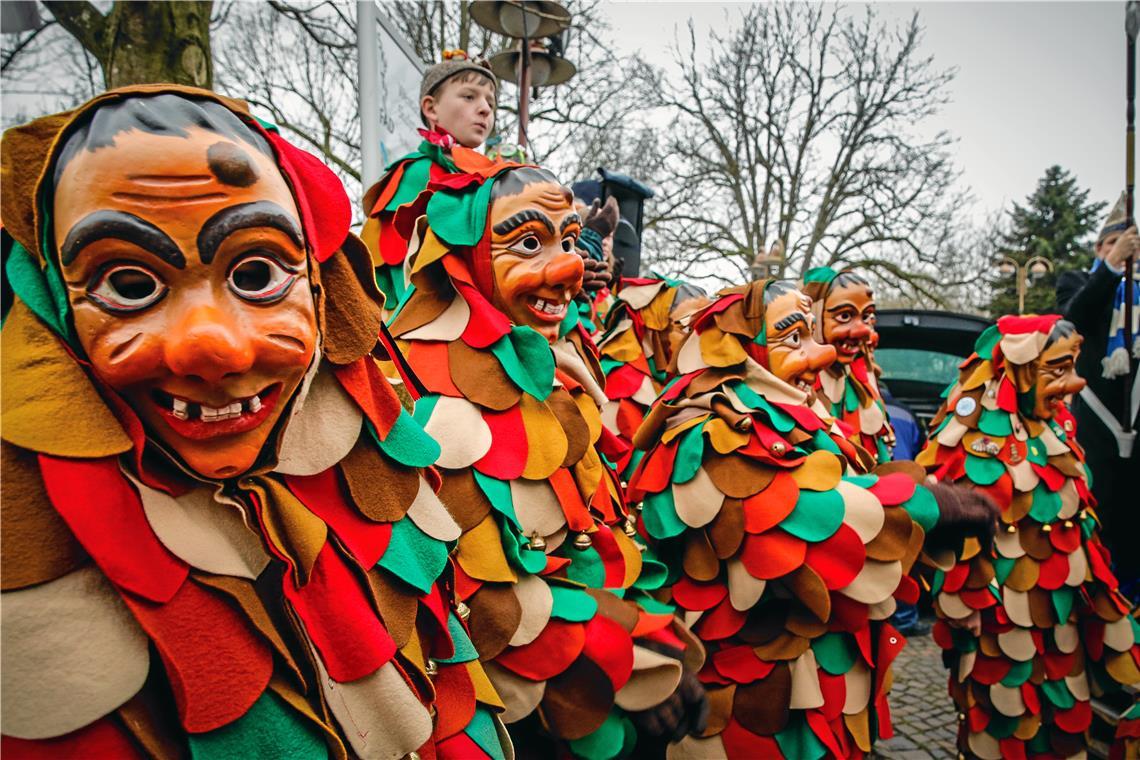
(963, 512)
(603, 219)
(684, 713)
(1126, 245)
(597, 274)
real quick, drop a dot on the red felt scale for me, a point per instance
(216, 664)
(340, 619)
(106, 515)
(322, 495)
(551, 653)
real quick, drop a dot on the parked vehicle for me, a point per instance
(919, 352)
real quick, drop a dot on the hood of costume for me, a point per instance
(635, 356)
(850, 391)
(1053, 624)
(525, 473)
(294, 610)
(788, 551)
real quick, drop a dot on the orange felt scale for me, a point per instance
(772, 554)
(769, 507)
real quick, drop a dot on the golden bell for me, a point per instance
(463, 611)
(778, 448)
(432, 668)
(583, 541)
(961, 716)
(538, 543)
(1011, 528)
(1046, 528)
(630, 526)
(1068, 523)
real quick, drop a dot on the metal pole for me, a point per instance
(368, 77)
(1021, 277)
(524, 89)
(1131, 22)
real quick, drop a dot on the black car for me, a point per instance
(920, 351)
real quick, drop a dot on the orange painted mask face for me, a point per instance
(187, 276)
(793, 354)
(536, 270)
(849, 320)
(1057, 375)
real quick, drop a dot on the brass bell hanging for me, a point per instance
(538, 543)
(630, 526)
(432, 668)
(583, 541)
(463, 611)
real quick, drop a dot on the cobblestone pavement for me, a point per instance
(924, 718)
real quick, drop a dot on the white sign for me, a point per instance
(390, 74)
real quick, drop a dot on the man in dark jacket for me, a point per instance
(1086, 299)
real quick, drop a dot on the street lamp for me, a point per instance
(527, 65)
(770, 264)
(1034, 267)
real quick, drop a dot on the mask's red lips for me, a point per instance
(199, 422)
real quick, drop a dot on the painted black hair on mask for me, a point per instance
(777, 288)
(165, 114)
(1062, 329)
(515, 181)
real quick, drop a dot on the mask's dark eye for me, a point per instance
(261, 279)
(528, 246)
(125, 288)
(568, 245)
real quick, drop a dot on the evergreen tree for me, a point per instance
(1057, 222)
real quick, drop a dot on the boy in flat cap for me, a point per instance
(457, 107)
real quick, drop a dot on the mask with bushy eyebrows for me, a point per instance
(535, 267)
(187, 275)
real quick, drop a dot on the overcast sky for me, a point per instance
(1038, 83)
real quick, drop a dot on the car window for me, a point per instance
(917, 364)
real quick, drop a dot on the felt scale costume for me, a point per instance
(850, 390)
(1054, 629)
(545, 529)
(785, 549)
(636, 356)
(296, 610)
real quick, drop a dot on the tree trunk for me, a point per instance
(144, 42)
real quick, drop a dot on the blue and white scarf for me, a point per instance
(1115, 362)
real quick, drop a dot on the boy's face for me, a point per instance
(464, 106)
(187, 276)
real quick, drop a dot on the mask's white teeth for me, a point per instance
(179, 409)
(255, 404)
(540, 304)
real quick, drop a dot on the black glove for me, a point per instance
(685, 712)
(962, 512)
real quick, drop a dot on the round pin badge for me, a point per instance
(965, 406)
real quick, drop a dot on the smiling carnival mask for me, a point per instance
(794, 356)
(536, 270)
(181, 247)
